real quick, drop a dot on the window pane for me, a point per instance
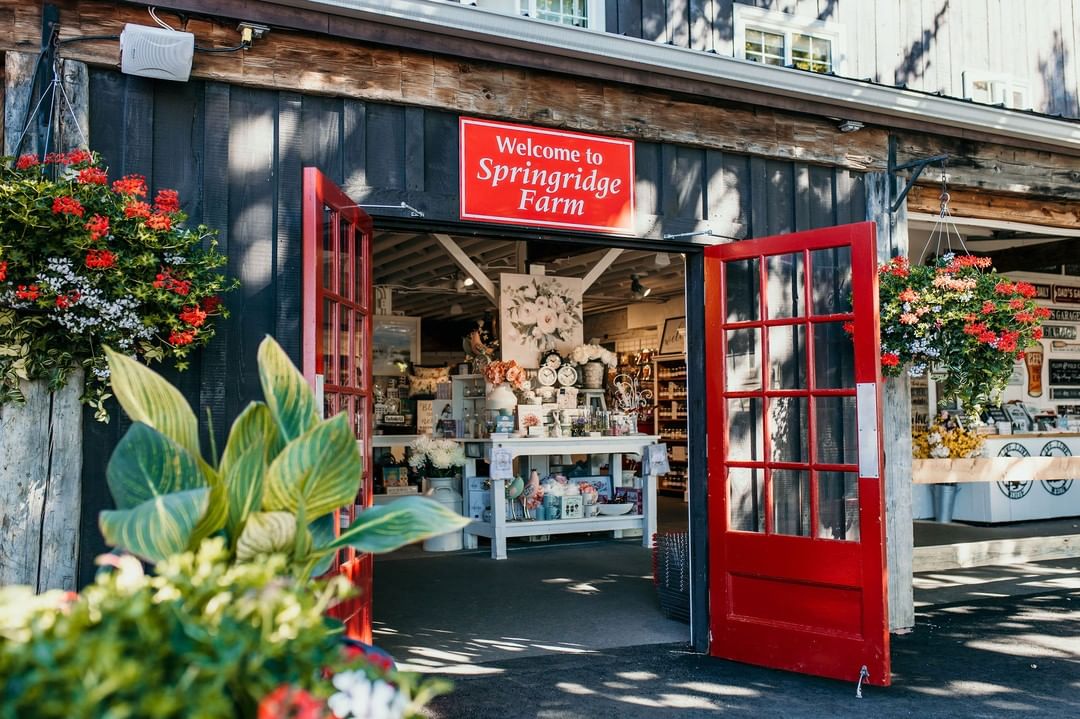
(744, 429)
(786, 277)
(743, 290)
(345, 374)
(742, 368)
(838, 506)
(327, 249)
(345, 264)
(791, 502)
(787, 357)
(359, 341)
(788, 421)
(837, 442)
(834, 357)
(746, 510)
(831, 273)
(329, 351)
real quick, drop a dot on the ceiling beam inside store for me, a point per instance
(1033, 258)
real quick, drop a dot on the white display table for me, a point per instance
(1015, 501)
(540, 448)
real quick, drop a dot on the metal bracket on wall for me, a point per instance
(916, 166)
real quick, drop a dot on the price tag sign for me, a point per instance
(502, 463)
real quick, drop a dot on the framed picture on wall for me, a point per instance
(673, 339)
(395, 344)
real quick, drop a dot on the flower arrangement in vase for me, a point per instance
(959, 319)
(594, 353)
(945, 439)
(504, 377)
(84, 263)
(435, 457)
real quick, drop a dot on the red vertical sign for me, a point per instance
(517, 174)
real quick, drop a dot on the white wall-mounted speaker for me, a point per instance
(156, 52)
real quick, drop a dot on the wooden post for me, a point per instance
(892, 238)
(18, 78)
(41, 486)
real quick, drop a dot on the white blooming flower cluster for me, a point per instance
(439, 453)
(358, 697)
(589, 353)
(175, 259)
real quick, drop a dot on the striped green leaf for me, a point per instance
(147, 464)
(291, 401)
(266, 533)
(148, 398)
(157, 528)
(217, 509)
(254, 426)
(322, 534)
(403, 521)
(321, 470)
(243, 464)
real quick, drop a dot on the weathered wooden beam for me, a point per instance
(465, 262)
(892, 239)
(996, 552)
(996, 206)
(599, 268)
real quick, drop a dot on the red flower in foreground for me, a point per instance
(167, 201)
(1026, 289)
(210, 304)
(98, 226)
(65, 205)
(1042, 312)
(1004, 288)
(287, 702)
(77, 157)
(63, 302)
(178, 338)
(93, 176)
(3, 270)
(137, 210)
(988, 307)
(26, 162)
(908, 295)
(890, 359)
(100, 259)
(131, 185)
(193, 316)
(1037, 333)
(849, 328)
(31, 293)
(55, 158)
(158, 222)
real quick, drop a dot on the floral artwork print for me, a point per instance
(539, 314)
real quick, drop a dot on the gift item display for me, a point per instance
(670, 411)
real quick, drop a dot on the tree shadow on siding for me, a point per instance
(909, 68)
(1060, 99)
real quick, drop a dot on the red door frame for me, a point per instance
(321, 194)
(806, 584)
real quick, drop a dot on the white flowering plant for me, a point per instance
(434, 457)
(84, 263)
(593, 353)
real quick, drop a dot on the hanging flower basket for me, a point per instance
(959, 318)
(84, 263)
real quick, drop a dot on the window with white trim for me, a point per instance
(777, 38)
(579, 13)
(992, 88)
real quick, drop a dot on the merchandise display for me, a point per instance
(670, 413)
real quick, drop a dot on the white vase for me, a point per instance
(592, 375)
(501, 397)
(441, 489)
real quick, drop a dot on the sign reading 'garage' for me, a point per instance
(525, 175)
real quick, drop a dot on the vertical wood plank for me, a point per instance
(630, 19)
(888, 40)
(892, 240)
(321, 122)
(758, 195)
(611, 16)
(24, 473)
(1066, 45)
(441, 157)
(654, 25)
(698, 477)
(74, 115)
(354, 144)
(414, 149)
(287, 252)
(18, 75)
(385, 147)
(690, 183)
(701, 20)
(822, 196)
(723, 27)
(802, 197)
(60, 521)
(779, 200)
(137, 146)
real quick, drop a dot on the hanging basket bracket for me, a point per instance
(916, 167)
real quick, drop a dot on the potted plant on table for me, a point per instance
(945, 439)
(438, 461)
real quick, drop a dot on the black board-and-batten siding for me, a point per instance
(235, 155)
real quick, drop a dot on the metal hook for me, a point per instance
(864, 673)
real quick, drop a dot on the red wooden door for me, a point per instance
(337, 316)
(797, 573)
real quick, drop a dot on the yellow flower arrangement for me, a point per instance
(944, 441)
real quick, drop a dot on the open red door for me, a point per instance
(337, 309)
(797, 574)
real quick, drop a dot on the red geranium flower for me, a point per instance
(23, 292)
(76, 157)
(210, 304)
(65, 205)
(131, 185)
(63, 302)
(137, 209)
(193, 316)
(3, 270)
(158, 222)
(1042, 312)
(93, 176)
(908, 295)
(26, 162)
(987, 337)
(849, 327)
(1004, 288)
(179, 338)
(55, 158)
(1026, 289)
(908, 318)
(98, 226)
(288, 702)
(1037, 333)
(167, 201)
(890, 359)
(100, 259)
(988, 307)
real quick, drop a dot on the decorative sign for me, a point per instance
(1066, 294)
(1066, 393)
(1069, 347)
(1059, 332)
(524, 175)
(1014, 490)
(502, 463)
(1042, 292)
(1064, 315)
(1064, 372)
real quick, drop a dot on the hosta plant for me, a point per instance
(273, 490)
(84, 263)
(959, 319)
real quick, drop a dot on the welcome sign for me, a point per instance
(518, 174)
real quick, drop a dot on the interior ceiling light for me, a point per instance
(662, 259)
(462, 282)
(639, 290)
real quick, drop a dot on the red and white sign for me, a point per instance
(524, 175)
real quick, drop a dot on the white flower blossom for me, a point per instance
(361, 698)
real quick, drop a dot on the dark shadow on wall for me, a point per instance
(911, 68)
(1060, 98)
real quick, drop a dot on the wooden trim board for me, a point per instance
(995, 552)
(993, 469)
(992, 206)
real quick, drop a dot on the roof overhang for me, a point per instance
(843, 94)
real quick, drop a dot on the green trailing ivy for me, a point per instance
(281, 475)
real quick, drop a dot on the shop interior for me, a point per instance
(574, 520)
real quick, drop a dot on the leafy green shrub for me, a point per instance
(204, 638)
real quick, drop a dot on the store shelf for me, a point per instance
(671, 417)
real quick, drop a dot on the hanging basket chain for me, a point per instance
(944, 226)
(59, 101)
